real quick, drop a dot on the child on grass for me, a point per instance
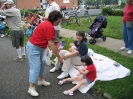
(87, 75)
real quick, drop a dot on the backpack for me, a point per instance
(2, 25)
(29, 32)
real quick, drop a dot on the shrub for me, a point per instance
(24, 12)
(113, 12)
(107, 10)
(117, 13)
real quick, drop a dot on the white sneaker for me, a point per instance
(43, 83)
(32, 92)
(2, 35)
(129, 52)
(62, 75)
(123, 48)
(54, 69)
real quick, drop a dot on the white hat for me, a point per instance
(9, 2)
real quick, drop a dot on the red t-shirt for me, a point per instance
(128, 13)
(42, 34)
(92, 72)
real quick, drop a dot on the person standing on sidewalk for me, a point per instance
(52, 5)
(128, 27)
(13, 19)
(43, 36)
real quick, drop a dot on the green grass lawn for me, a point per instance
(113, 29)
(119, 88)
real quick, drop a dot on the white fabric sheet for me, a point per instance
(106, 70)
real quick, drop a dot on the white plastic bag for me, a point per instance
(46, 56)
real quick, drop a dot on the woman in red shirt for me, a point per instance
(128, 27)
(85, 76)
(43, 36)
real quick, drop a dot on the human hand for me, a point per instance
(3, 6)
(76, 67)
(60, 59)
(65, 57)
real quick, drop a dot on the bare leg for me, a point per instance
(40, 78)
(82, 82)
(78, 78)
(31, 85)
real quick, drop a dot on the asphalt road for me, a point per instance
(14, 79)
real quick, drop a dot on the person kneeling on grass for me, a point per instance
(85, 76)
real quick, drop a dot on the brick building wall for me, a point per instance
(68, 5)
(29, 4)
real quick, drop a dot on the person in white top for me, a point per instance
(52, 5)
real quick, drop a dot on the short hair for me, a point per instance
(87, 59)
(81, 33)
(54, 15)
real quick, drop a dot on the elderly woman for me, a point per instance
(43, 36)
(128, 27)
(72, 57)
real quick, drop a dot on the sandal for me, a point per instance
(61, 82)
(68, 92)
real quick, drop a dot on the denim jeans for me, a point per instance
(128, 36)
(35, 55)
(1, 31)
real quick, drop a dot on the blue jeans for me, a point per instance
(35, 55)
(1, 31)
(128, 36)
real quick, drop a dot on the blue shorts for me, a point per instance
(87, 79)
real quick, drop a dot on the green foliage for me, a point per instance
(122, 5)
(113, 12)
(79, 2)
(117, 13)
(33, 10)
(107, 10)
(107, 2)
(24, 11)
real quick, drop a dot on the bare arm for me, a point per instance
(2, 7)
(71, 55)
(82, 72)
(45, 18)
(55, 50)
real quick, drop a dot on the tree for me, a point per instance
(80, 1)
(107, 2)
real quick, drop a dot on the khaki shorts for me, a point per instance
(57, 36)
(17, 37)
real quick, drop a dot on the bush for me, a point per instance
(113, 12)
(107, 10)
(33, 10)
(117, 13)
(24, 12)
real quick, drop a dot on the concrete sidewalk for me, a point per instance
(110, 43)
